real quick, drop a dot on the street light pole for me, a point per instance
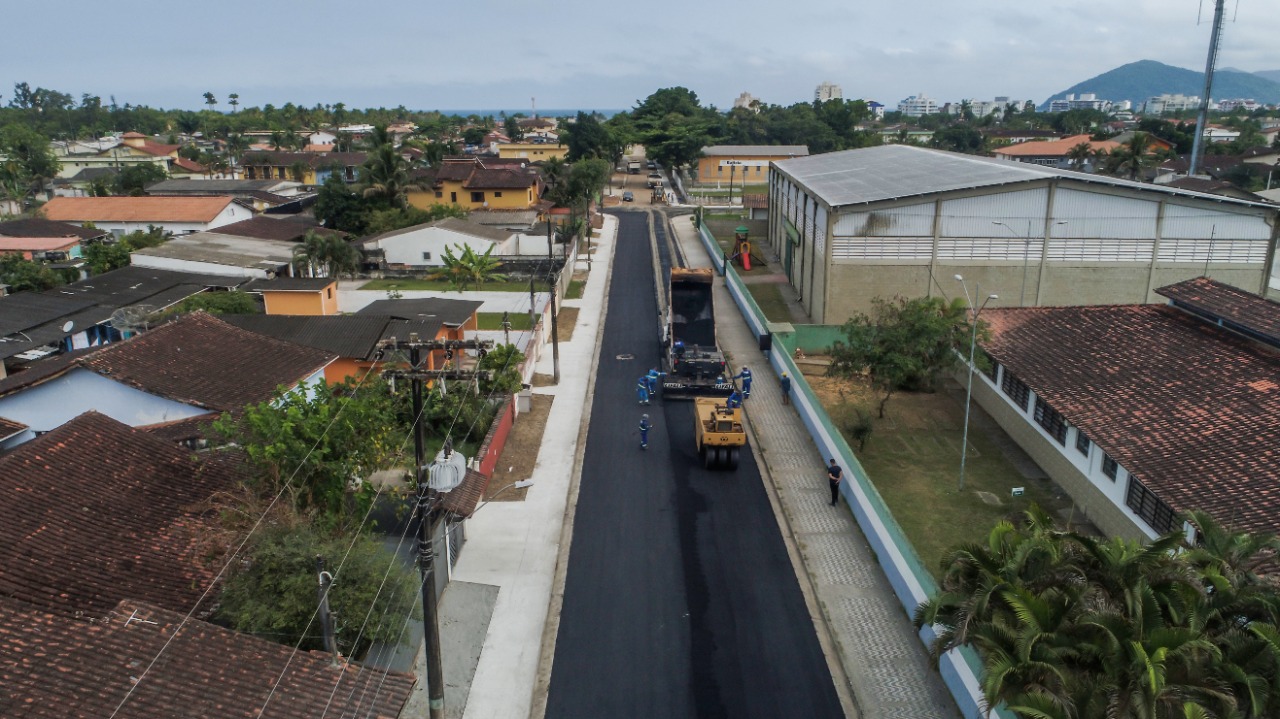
(968, 395)
(1026, 254)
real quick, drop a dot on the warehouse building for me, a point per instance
(900, 220)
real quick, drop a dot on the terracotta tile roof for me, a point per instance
(182, 430)
(95, 511)
(136, 209)
(55, 667)
(1240, 309)
(203, 361)
(501, 179)
(310, 159)
(190, 165)
(41, 227)
(8, 428)
(1188, 408)
(36, 244)
(465, 498)
(1054, 148)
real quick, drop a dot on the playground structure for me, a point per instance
(741, 248)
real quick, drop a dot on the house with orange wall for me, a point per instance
(298, 295)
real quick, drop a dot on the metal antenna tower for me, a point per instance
(1202, 118)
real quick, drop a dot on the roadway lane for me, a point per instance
(680, 600)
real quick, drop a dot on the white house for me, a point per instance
(424, 245)
(122, 215)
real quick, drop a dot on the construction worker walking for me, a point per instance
(642, 390)
(786, 388)
(653, 377)
(745, 376)
(644, 431)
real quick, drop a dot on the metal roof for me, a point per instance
(230, 250)
(450, 312)
(892, 172)
(756, 150)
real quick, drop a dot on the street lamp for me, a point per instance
(1026, 252)
(973, 343)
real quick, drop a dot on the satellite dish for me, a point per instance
(67, 327)
(133, 318)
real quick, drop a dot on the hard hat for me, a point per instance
(644, 416)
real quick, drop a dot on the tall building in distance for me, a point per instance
(745, 101)
(918, 105)
(827, 91)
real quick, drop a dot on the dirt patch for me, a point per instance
(565, 322)
(543, 380)
(520, 454)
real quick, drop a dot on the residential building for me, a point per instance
(194, 366)
(1164, 104)
(1247, 104)
(355, 339)
(122, 215)
(1218, 133)
(532, 151)
(743, 164)
(309, 168)
(1083, 101)
(1001, 137)
(297, 295)
(877, 109)
(281, 229)
(1056, 153)
(479, 184)
(215, 253)
(423, 246)
(893, 220)
(918, 105)
(1144, 412)
(41, 248)
(827, 91)
(903, 133)
(89, 313)
(132, 148)
(747, 101)
(42, 227)
(136, 500)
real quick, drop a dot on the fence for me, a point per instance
(911, 583)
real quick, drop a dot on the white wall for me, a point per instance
(231, 213)
(408, 248)
(54, 403)
(140, 259)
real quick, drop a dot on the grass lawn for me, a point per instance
(769, 296)
(575, 289)
(409, 283)
(493, 320)
(913, 458)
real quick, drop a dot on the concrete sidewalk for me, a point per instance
(515, 546)
(873, 648)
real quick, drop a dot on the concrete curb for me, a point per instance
(551, 628)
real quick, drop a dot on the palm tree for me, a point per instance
(234, 100)
(1079, 155)
(469, 268)
(385, 175)
(324, 255)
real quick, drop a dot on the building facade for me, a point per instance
(743, 164)
(893, 220)
(827, 91)
(918, 105)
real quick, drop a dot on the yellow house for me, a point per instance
(299, 295)
(743, 164)
(480, 185)
(531, 151)
(309, 168)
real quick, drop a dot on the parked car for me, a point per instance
(653, 165)
(628, 197)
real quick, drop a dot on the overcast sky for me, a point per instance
(603, 55)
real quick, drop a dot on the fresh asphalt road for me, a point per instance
(680, 600)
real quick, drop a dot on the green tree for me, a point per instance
(903, 344)
(338, 208)
(1079, 155)
(210, 100)
(317, 446)
(31, 153)
(587, 138)
(324, 255)
(106, 256)
(385, 177)
(511, 128)
(397, 218)
(24, 275)
(474, 135)
(273, 594)
(234, 100)
(234, 302)
(134, 178)
(503, 362)
(470, 268)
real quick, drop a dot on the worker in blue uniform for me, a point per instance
(653, 377)
(677, 349)
(644, 431)
(642, 389)
(734, 401)
(745, 376)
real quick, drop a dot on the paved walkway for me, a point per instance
(885, 665)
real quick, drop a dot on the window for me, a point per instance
(453, 197)
(1082, 444)
(1109, 467)
(426, 255)
(992, 369)
(1052, 422)
(1015, 389)
(439, 194)
(497, 194)
(1158, 515)
(328, 293)
(477, 197)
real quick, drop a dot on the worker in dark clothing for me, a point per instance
(644, 431)
(834, 473)
(786, 388)
(745, 376)
(642, 390)
(678, 350)
(734, 401)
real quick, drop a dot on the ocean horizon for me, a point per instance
(527, 112)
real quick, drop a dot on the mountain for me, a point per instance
(1139, 81)
(1272, 75)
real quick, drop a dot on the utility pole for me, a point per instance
(1202, 117)
(549, 243)
(555, 328)
(426, 499)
